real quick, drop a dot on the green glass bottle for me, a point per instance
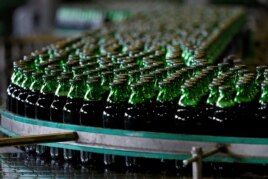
(262, 111)
(91, 110)
(33, 94)
(67, 67)
(42, 107)
(113, 116)
(165, 107)
(71, 112)
(134, 118)
(139, 117)
(260, 73)
(28, 61)
(56, 113)
(243, 100)
(46, 97)
(60, 98)
(187, 117)
(77, 70)
(223, 67)
(12, 86)
(24, 91)
(225, 112)
(20, 77)
(106, 79)
(91, 114)
(211, 107)
(74, 101)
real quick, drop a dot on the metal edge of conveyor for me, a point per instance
(139, 144)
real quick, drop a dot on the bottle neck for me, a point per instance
(94, 93)
(62, 89)
(242, 95)
(165, 95)
(118, 94)
(188, 98)
(259, 77)
(148, 91)
(49, 87)
(137, 96)
(27, 81)
(77, 91)
(213, 96)
(106, 80)
(19, 79)
(264, 96)
(14, 75)
(36, 84)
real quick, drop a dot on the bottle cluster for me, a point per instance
(146, 74)
(78, 17)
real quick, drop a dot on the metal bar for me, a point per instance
(197, 164)
(219, 148)
(36, 139)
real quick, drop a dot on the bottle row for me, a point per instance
(204, 99)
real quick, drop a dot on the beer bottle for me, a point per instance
(113, 116)
(71, 112)
(106, 79)
(33, 95)
(42, 107)
(225, 112)
(210, 107)
(134, 76)
(28, 61)
(74, 101)
(51, 67)
(262, 111)
(265, 74)
(223, 67)
(225, 116)
(56, 113)
(47, 91)
(67, 67)
(139, 116)
(12, 86)
(60, 98)
(165, 107)
(18, 88)
(77, 70)
(92, 108)
(24, 91)
(150, 94)
(260, 73)
(187, 119)
(91, 113)
(245, 109)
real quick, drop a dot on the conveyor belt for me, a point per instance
(141, 144)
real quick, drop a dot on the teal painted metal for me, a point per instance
(199, 138)
(148, 155)
(81, 147)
